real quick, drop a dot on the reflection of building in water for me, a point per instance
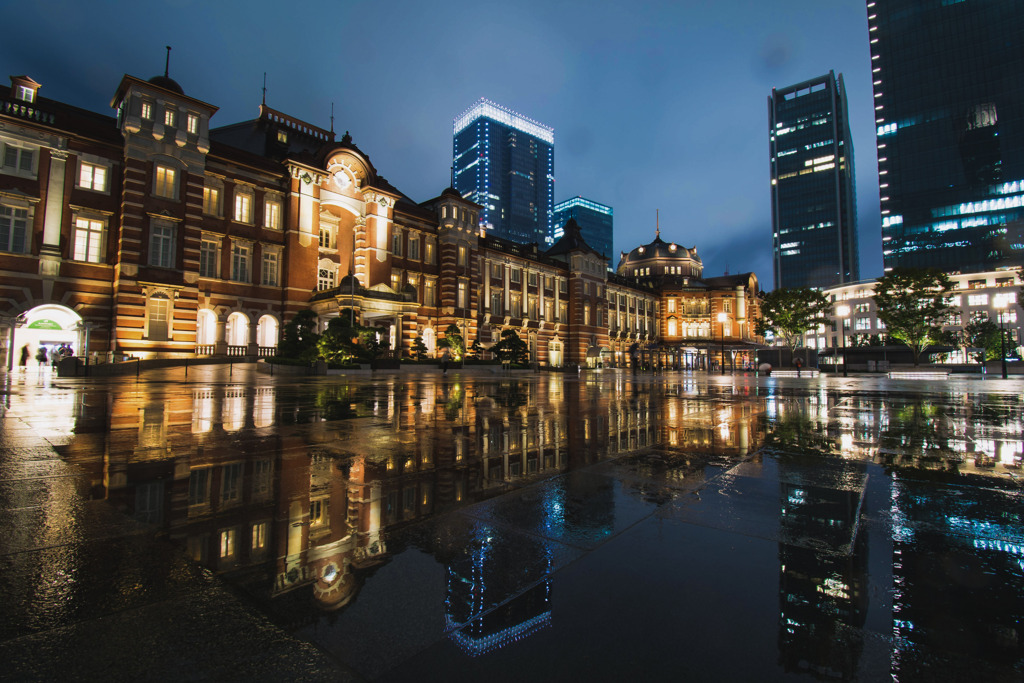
(309, 505)
(822, 566)
(519, 618)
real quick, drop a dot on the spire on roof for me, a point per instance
(167, 62)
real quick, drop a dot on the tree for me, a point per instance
(299, 337)
(913, 304)
(511, 348)
(790, 312)
(419, 348)
(453, 341)
(982, 334)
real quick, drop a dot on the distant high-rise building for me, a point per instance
(595, 221)
(505, 162)
(814, 208)
(949, 110)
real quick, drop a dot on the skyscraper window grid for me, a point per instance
(814, 214)
(504, 162)
(949, 114)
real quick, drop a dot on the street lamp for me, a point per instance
(1000, 304)
(842, 310)
(722, 317)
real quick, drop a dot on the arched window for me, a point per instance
(206, 327)
(429, 339)
(266, 331)
(237, 332)
(672, 327)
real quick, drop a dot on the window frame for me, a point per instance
(165, 181)
(270, 263)
(164, 256)
(241, 261)
(91, 184)
(12, 228)
(244, 200)
(94, 227)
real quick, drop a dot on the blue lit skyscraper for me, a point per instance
(595, 221)
(814, 210)
(505, 162)
(949, 110)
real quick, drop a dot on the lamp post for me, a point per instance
(842, 310)
(1000, 304)
(722, 317)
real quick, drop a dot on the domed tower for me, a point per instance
(660, 259)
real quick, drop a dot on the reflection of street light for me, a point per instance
(842, 310)
(722, 317)
(1000, 304)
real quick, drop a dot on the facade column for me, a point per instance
(220, 345)
(253, 346)
(53, 214)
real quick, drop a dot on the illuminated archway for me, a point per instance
(237, 331)
(266, 331)
(206, 327)
(50, 326)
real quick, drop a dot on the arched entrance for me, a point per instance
(50, 326)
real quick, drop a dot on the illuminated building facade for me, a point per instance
(975, 296)
(814, 208)
(505, 163)
(595, 221)
(949, 110)
(152, 235)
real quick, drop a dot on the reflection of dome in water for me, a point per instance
(661, 258)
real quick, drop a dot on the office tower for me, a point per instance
(949, 110)
(504, 162)
(814, 209)
(595, 221)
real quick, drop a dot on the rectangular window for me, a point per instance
(515, 306)
(209, 257)
(25, 94)
(147, 111)
(92, 177)
(531, 279)
(327, 236)
(414, 248)
(496, 301)
(430, 251)
(463, 257)
(259, 536)
(240, 254)
(282, 137)
(977, 300)
(396, 243)
(272, 215)
(170, 116)
(243, 207)
(193, 124)
(13, 229)
(231, 483)
(562, 286)
(269, 270)
(199, 486)
(532, 308)
(161, 245)
(18, 158)
(227, 543)
(159, 318)
(325, 279)
(563, 312)
(430, 293)
(671, 305)
(317, 512)
(88, 240)
(166, 182)
(211, 201)
(262, 473)
(463, 294)
(516, 276)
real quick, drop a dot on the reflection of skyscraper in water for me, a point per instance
(822, 566)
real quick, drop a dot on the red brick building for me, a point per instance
(151, 234)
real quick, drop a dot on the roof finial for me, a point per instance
(452, 169)
(167, 62)
(264, 88)
(657, 223)
(332, 120)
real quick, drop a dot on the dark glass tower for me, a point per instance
(505, 162)
(814, 209)
(595, 221)
(949, 108)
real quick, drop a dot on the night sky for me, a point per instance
(655, 105)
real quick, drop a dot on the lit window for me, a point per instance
(269, 270)
(977, 300)
(209, 257)
(13, 229)
(259, 536)
(92, 177)
(147, 111)
(25, 94)
(227, 543)
(166, 182)
(243, 207)
(170, 116)
(18, 159)
(325, 279)
(211, 201)
(318, 512)
(88, 240)
(240, 254)
(282, 137)
(429, 251)
(272, 215)
(161, 245)
(430, 293)
(193, 124)
(463, 256)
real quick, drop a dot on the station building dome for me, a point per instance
(659, 259)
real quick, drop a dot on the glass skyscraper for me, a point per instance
(814, 209)
(949, 107)
(505, 162)
(595, 221)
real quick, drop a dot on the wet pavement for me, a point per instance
(229, 525)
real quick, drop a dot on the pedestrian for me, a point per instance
(799, 364)
(444, 362)
(25, 353)
(41, 355)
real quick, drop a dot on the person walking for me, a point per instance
(41, 356)
(25, 353)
